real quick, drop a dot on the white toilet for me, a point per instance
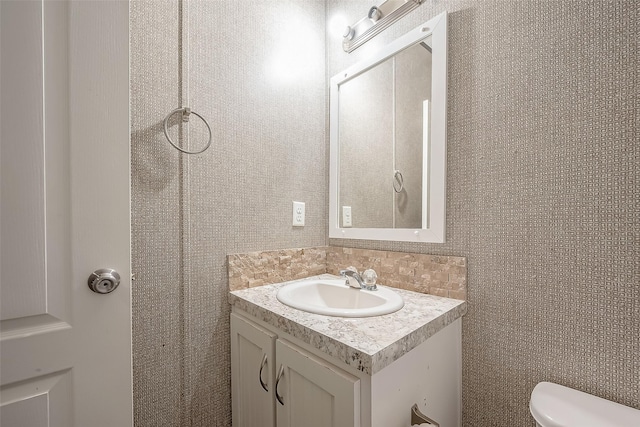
(553, 405)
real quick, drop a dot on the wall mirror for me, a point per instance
(388, 141)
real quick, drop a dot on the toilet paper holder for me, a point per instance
(418, 418)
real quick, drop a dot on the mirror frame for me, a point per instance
(437, 159)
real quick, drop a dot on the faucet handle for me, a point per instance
(344, 271)
(369, 277)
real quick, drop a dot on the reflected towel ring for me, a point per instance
(399, 180)
(186, 112)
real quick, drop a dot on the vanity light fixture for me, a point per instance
(378, 18)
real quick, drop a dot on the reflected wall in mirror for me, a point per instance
(388, 141)
(383, 117)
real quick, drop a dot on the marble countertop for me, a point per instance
(368, 344)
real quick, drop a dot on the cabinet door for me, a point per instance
(313, 392)
(252, 374)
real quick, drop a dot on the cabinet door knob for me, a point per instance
(262, 364)
(280, 374)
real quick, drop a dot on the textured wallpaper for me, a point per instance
(263, 93)
(543, 185)
(156, 220)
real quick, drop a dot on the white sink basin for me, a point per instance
(334, 298)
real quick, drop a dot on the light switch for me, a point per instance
(346, 216)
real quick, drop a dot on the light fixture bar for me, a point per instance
(377, 19)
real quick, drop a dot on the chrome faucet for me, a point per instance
(361, 284)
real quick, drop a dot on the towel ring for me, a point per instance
(186, 111)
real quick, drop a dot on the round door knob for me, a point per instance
(104, 280)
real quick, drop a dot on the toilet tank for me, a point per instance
(553, 405)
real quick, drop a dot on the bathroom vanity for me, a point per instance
(293, 368)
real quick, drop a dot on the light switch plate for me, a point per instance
(298, 214)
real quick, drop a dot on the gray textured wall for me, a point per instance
(264, 96)
(543, 185)
(543, 189)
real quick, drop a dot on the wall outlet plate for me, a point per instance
(298, 214)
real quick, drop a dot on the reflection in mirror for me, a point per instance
(383, 139)
(388, 141)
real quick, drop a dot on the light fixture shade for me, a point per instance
(374, 14)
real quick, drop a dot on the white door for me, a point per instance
(65, 351)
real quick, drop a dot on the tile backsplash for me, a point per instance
(430, 274)
(445, 276)
(254, 269)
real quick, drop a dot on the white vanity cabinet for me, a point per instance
(318, 390)
(276, 383)
(345, 372)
